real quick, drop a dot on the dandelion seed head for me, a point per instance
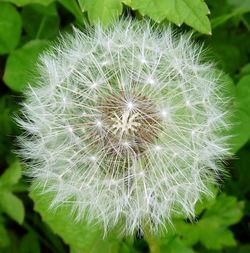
(124, 123)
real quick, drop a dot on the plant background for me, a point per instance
(26, 29)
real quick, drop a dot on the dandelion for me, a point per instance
(124, 125)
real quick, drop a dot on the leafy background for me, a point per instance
(26, 29)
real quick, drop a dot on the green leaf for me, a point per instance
(239, 121)
(228, 57)
(10, 28)
(30, 243)
(241, 124)
(40, 22)
(22, 63)
(25, 2)
(243, 93)
(213, 227)
(79, 235)
(192, 12)
(11, 175)
(12, 205)
(240, 130)
(243, 248)
(4, 237)
(176, 246)
(103, 11)
(158, 10)
(241, 173)
(239, 3)
(127, 246)
(213, 236)
(189, 233)
(227, 210)
(170, 242)
(245, 70)
(8, 107)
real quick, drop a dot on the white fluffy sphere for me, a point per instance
(124, 125)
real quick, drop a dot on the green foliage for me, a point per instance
(4, 237)
(241, 119)
(8, 128)
(10, 28)
(11, 175)
(30, 243)
(9, 203)
(21, 64)
(241, 170)
(104, 11)
(192, 12)
(243, 93)
(40, 22)
(86, 237)
(12, 205)
(211, 230)
(26, 29)
(25, 2)
(241, 4)
(213, 227)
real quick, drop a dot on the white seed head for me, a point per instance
(124, 124)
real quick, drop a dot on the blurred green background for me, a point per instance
(26, 29)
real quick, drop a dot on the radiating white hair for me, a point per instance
(125, 125)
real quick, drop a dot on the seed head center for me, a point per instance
(126, 123)
(129, 123)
